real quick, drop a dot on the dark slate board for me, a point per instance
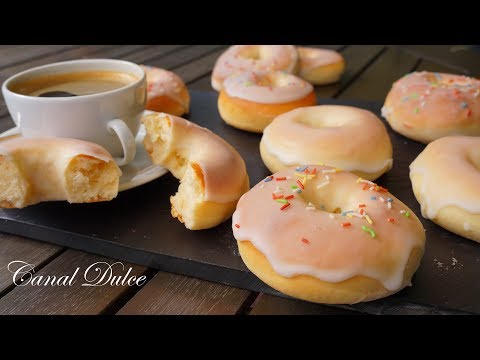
(137, 227)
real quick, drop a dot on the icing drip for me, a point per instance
(340, 245)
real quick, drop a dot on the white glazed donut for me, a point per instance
(212, 174)
(320, 66)
(166, 92)
(50, 169)
(239, 58)
(317, 234)
(446, 182)
(251, 100)
(345, 137)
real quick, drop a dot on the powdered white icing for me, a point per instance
(267, 88)
(334, 253)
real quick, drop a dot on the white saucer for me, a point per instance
(141, 170)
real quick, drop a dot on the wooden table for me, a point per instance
(371, 69)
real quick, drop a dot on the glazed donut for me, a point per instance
(251, 101)
(166, 92)
(446, 179)
(212, 174)
(263, 58)
(320, 66)
(348, 138)
(425, 106)
(33, 170)
(335, 240)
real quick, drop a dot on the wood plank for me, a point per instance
(462, 58)
(16, 248)
(426, 65)
(152, 52)
(357, 58)
(192, 54)
(19, 53)
(168, 294)
(274, 305)
(376, 81)
(75, 299)
(199, 68)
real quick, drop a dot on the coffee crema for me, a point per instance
(77, 83)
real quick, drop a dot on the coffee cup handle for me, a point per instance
(126, 138)
(12, 132)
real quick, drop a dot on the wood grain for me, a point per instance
(274, 305)
(168, 294)
(376, 81)
(357, 58)
(75, 299)
(15, 248)
(18, 53)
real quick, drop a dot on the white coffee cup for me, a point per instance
(110, 119)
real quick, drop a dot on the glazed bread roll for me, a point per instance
(212, 174)
(51, 169)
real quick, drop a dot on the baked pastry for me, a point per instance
(345, 137)
(320, 66)
(446, 182)
(335, 240)
(212, 174)
(251, 100)
(425, 106)
(262, 58)
(166, 92)
(33, 170)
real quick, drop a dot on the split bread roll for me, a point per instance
(33, 170)
(212, 174)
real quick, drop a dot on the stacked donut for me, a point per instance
(258, 82)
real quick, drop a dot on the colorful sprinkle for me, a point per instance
(314, 171)
(237, 226)
(407, 214)
(289, 197)
(391, 220)
(323, 184)
(283, 201)
(469, 112)
(389, 200)
(347, 212)
(382, 199)
(268, 178)
(294, 187)
(464, 105)
(365, 186)
(370, 231)
(331, 171)
(362, 205)
(362, 211)
(369, 219)
(300, 185)
(403, 211)
(373, 197)
(285, 206)
(305, 241)
(346, 224)
(275, 197)
(417, 110)
(301, 168)
(389, 205)
(281, 178)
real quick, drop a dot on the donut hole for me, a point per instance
(311, 119)
(334, 202)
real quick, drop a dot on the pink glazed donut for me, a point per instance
(240, 58)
